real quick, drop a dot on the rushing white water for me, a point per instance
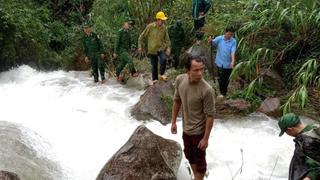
(85, 124)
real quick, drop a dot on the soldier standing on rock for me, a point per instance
(196, 97)
(200, 9)
(177, 37)
(121, 50)
(93, 49)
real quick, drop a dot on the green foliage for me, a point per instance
(110, 15)
(308, 76)
(39, 32)
(23, 32)
(280, 35)
(168, 101)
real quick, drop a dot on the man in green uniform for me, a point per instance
(305, 163)
(177, 37)
(121, 50)
(200, 9)
(93, 49)
(159, 45)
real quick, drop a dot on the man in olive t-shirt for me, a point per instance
(196, 97)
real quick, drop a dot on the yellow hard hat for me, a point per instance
(161, 15)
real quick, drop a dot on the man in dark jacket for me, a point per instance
(177, 37)
(93, 49)
(305, 163)
(199, 11)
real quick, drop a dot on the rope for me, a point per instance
(274, 167)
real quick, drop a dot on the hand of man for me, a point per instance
(201, 15)
(203, 144)
(102, 56)
(114, 56)
(168, 51)
(232, 65)
(86, 60)
(173, 128)
(210, 39)
(140, 50)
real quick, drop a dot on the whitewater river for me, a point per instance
(59, 125)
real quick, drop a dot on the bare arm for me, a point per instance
(203, 144)
(175, 110)
(233, 60)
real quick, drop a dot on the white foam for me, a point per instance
(86, 124)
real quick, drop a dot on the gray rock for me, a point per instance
(26, 153)
(273, 81)
(152, 106)
(203, 50)
(270, 107)
(5, 175)
(141, 82)
(144, 156)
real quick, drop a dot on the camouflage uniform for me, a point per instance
(197, 7)
(177, 37)
(93, 49)
(122, 47)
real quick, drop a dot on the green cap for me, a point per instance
(286, 121)
(87, 24)
(130, 21)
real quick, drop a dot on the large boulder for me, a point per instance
(141, 82)
(26, 153)
(144, 156)
(153, 103)
(270, 107)
(272, 80)
(205, 52)
(232, 107)
(5, 175)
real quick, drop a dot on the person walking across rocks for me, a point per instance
(122, 48)
(93, 49)
(159, 45)
(196, 97)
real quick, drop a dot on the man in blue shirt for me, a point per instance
(225, 57)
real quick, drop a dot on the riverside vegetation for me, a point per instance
(280, 35)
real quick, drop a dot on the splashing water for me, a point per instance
(85, 124)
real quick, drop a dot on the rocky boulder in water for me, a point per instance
(272, 80)
(5, 175)
(26, 153)
(203, 50)
(152, 103)
(270, 107)
(234, 107)
(141, 82)
(144, 156)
